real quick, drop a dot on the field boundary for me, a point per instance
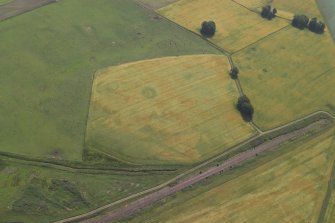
(263, 38)
(14, 8)
(88, 113)
(72, 166)
(325, 203)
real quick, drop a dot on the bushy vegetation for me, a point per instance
(33, 194)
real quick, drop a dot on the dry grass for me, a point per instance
(237, 27)
(288, 76)
(175, 109)
(290, 188)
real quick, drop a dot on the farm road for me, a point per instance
(147, 200)
(18, 7)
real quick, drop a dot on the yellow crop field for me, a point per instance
(155, 4)
(252, 4)
(292, 82)
(166, 110)
(330, 214)
(290, 188)
(307, 7)
(237, 27)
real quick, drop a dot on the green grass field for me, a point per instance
(286, 185)
(166, 110)
(237, 27)
(2, 2)
(49, 56)
(296, 80)
(34, 194)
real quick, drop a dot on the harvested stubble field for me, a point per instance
(156, 4)
(330, 213)
(307, 7)
(167, 110)
(48, 59)
(237, 27)
(285, 77)
(289, 188)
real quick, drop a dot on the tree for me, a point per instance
(268, 12)
(312, 24)
(300, 21)
(208, 28)
(316, 26)
(245, 108)
(234, 73)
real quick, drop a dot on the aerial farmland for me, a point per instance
(169, 111)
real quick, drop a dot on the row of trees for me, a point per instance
(243, 104)
(302, 22)
(208, 29)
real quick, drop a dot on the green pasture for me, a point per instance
(47, 60)
(2, 2)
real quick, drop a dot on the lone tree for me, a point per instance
(245, 108)
(234, 73)
(300, 21)
(208, 28)
(268, 12)
(316, 26)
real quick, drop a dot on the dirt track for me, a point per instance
(147, 200)
(18, 7)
